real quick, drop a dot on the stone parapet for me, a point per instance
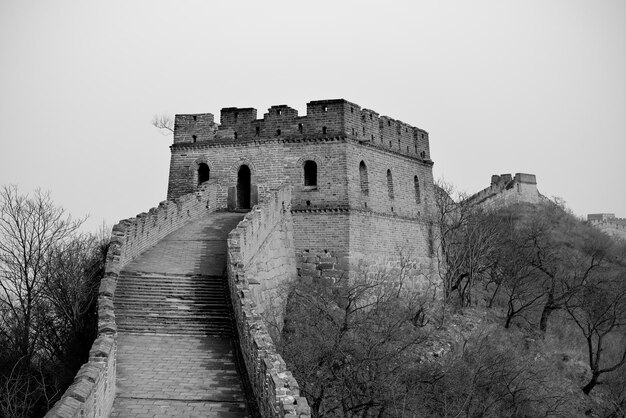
(615, 227)
(146, 229)
(506, 189)
(93, 390)
(324, 119)
(276, 391)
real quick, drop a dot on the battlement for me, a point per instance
(506, 188)
(324, 119)
(609, 224)
(600, 217)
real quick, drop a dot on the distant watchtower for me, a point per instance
(362, 183)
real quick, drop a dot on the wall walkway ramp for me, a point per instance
(176, 343)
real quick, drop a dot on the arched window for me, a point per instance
(203, 173)
(310, 173)
(418, 198)
(389, 184)
(365, 190)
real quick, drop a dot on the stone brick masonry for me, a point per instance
(261, 254)
(372, 173)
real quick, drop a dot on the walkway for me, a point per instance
(175, 353)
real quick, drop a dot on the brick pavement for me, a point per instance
(175, 374)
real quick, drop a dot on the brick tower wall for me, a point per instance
(336, 225)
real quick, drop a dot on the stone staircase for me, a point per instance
(176, 342)
(173, 304)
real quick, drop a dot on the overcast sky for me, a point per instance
(501, 86)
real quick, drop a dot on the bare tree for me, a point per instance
(163, 122)
(349, 343)
(599, 311)
(565, 252)
(468, 239)
(30, 229)
(49, 276)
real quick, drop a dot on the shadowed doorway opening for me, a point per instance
(243, 187)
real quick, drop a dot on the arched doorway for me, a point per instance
(203, 173)
(243, 187)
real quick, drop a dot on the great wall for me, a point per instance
(609, 224)
(323, 195)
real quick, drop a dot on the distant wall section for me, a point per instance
(506, 189)
(609, 224)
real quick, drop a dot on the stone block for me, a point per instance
(80, 390)
(90, 371)
(325, 266)
(101, 348)
(107, 285)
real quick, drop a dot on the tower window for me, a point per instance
(324, 130)
(324, 108)
(277, 132)
(300, 128)
(310, 173)
(258, 130)
(416, 183)
(363, 179)
(389, 184)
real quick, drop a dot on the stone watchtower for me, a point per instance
(362, 183)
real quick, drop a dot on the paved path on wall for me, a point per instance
(175, 351)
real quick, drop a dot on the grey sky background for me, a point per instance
(501, 86)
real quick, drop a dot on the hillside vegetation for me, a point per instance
(525, 318)
(49, 277)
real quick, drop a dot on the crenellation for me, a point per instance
(609, 224)
(506, 189)
(194, 128)
(324, 119)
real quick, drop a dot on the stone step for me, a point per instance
(172, 297)
(225, 326)
(186, 288)
(152, 311)
(172, 302)
(164, 327)
(164, 283)
(166, 291)
(176, 315)
(151, 321)
(168, 277)
(168, 331)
